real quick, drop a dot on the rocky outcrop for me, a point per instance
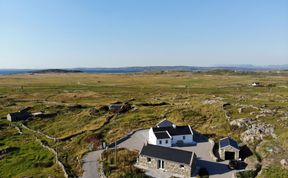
(256, 132)
(242, 123)
(209, 102)
(284, 163)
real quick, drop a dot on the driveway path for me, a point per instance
(135, 141)
(91, 165)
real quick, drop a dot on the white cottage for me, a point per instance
(168, 134)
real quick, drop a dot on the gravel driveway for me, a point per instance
(136, 141)
(90, 160)
(91, 164)
(139, 138)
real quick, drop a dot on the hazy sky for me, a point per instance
(111, 33)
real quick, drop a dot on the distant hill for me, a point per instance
(184, 68)
(55, 71)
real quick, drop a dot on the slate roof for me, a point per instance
(115, 106)
(165, 123)
(166, 153)
(162, 135)
(177, 130)
(228, 142)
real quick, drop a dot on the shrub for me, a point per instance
(123, 167)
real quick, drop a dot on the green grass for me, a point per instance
(29, 159)
(274, 171)
(184, 91)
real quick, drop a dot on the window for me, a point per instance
(182, 166)
(160, 164)
(184, 137)
(160, 142)
(166, 141)
(149, 160)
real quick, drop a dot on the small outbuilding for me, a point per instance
(178, 163)
(255, 84)
(228, 149)
(18, 116)
(116, 108)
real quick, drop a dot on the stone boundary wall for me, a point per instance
(47, 136)
(49, 148)
(211, 151)
(56, 157)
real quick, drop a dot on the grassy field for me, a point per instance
(192, 98)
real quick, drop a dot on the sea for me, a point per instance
(113, 71)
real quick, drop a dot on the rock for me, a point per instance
(227, 115)
(241, 123)
(284, 163)
(240, 110)
(260, 115)
(209, 101)
(266, 111)
(256, 132)
(284, 118)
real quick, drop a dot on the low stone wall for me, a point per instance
(18, 130)
(47, 136)
(211, 150)
(56, 157)
(48, 148)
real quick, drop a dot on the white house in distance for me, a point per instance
(255, 84)
(168, 134)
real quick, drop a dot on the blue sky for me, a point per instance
(112, 33)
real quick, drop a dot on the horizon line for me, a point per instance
(145, 66)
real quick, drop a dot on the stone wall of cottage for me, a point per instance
(230, 149)
(169, 166)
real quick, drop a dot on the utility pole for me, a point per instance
(115, 153)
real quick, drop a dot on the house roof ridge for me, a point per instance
(167, 153)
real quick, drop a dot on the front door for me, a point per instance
(160, 164)
(229, 155)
